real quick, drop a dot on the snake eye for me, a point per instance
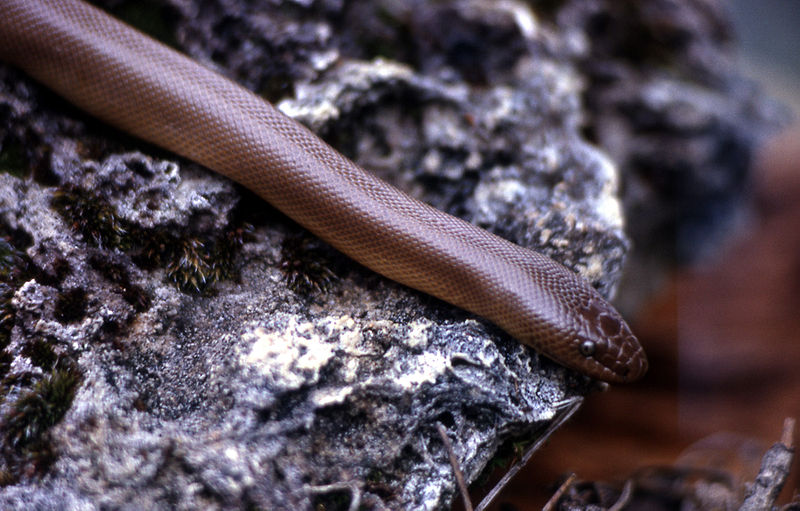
(587, 348)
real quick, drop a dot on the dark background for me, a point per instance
(723, 336)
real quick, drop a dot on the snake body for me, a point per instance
(146, 89)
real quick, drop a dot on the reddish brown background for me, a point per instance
(723, 337)
(724, 345)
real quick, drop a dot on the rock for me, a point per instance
(665, 101)
(170, 341)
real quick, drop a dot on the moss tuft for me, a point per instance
(71, 305)
(134, 294)
(15, 267)
(13, 160)
(304, 263)
(41, 354)
(7, 478)
(194, 261)
(192, 267)
(333, 500)
(90, 215)
(12, 262)
(40, 408)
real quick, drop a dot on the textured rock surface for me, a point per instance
(663, 99)
(169, 341)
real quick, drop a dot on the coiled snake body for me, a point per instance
(148, 90)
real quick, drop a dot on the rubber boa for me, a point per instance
(144, 88)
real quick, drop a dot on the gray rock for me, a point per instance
(171, 342)
(665, 101)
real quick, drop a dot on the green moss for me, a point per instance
(194, 261)
(7, 478)
(338, 500)
(12, 159)
(12, 262)
(41, 354)
(37, 410)
(5, 365)
(507, 454)
(14, 269)
(7, 314)
(38, 402)
(304, 264)
(92, 216)
(118, 274)
(149, 17)
(70, 306)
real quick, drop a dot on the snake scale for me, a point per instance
(144, 88)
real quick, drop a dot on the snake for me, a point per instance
(141, 86)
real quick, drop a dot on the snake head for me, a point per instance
(606, 348)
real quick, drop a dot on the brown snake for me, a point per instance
(148, 90)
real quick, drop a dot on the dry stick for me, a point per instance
(774, 470)
(551, 503)
(624, 497)
(353, 487)
(570, 407)
(462, 486)
(787, 437)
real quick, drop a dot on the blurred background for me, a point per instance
(722, 333)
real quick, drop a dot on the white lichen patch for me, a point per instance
(523, 16)
(418, 334)
(593, 268)
(427, 367)
(495, 198)
(292, 351)
(319, 104)
(606, 203)
(288, 358)
(331, 396)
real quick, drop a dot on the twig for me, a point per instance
(353, 487)
(570, 407)
(787, 437)
(624, 497)
(794, 504)
(462, 486)
(551, 503)
(774, 470)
